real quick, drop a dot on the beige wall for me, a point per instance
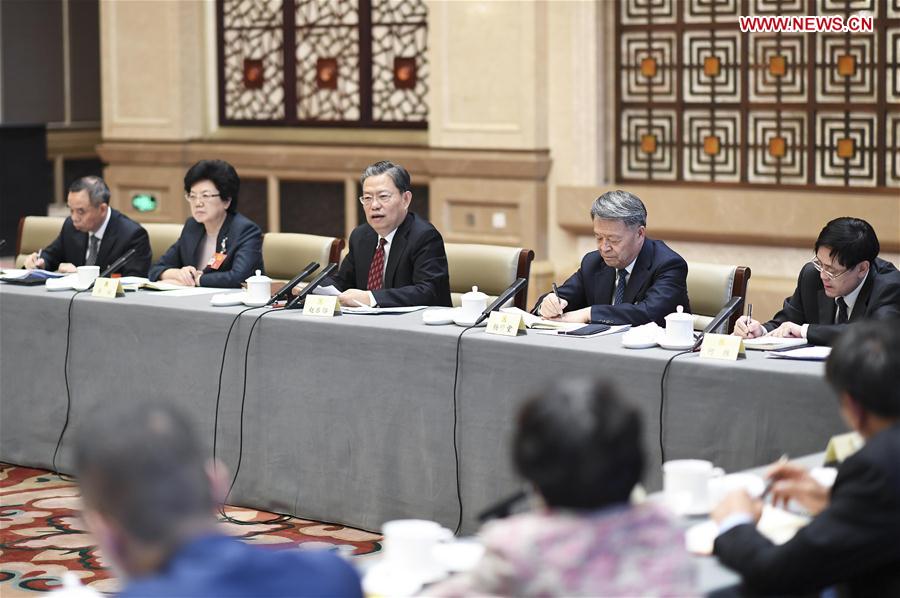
(520, 137)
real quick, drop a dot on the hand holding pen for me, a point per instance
(553, 305)
(34, 260)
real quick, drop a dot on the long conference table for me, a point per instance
(350, 419)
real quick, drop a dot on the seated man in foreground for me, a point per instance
(94, 234)
(630, 279)
(854, 537)
(845, 282)
(396, 258)
(149, 500)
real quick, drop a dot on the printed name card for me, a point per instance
(722, 346)
(504, 323)
(109, 288)
(842, 446)
(321, 306)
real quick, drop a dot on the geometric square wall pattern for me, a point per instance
(358, 63)
(701, 102)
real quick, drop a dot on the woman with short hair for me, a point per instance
(579, 445)
(218, 247)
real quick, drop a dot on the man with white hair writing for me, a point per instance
(630, 279)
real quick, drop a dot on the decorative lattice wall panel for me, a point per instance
(701, 102)
(358, 63)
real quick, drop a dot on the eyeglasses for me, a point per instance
(831, 275)
(194, 198)
(383, 198)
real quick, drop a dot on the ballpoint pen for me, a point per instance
(781, 461)
(749, 315)
(556, 293)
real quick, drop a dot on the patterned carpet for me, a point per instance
(42, 537)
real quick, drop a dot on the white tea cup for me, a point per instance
(473, 304)
(259, 287)
(408, 546)
(679, 328)
(686, 485)
(87, 275)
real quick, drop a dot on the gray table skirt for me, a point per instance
(350, 419)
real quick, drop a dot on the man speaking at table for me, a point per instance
(854, 536)
(844, 283)
(630, 279)
(396, 258)
(94, 234)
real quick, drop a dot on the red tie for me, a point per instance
(376, 270)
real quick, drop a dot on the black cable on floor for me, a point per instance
(662, 401)
(219, 388)
(455, 447)
(281, 517)
(68, 391)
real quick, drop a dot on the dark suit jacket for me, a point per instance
(215, 566)
(122, 233)
(243, 248)
(855, 541)
(416, 271)
(879, 299)
(656, 287)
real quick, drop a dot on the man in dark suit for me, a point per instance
(94, 234)
(630, 279)
(149, 494)
(396, 258)
(845, 283)
(854, 537)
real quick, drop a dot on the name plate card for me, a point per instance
(321, 306)
(109, 288)
(722, 346)
(504, 323)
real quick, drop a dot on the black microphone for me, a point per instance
(503, 298)
(2, 243)
(286, 289)
(725, 313)
(502, 508)
(297, 302)
(118, 263)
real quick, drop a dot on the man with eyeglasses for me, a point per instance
(396, 258)
(94, 234)
(844, 283)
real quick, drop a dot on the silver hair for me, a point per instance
(620, 205)
(98, 192)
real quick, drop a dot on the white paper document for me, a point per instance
(14, 273)
(803, 354)
(365, 310)
(330, 291)
(576, 326)
(190, 291)
(536, 322)
(768, 343)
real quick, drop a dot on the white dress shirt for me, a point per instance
(628, 270)
(99, 234)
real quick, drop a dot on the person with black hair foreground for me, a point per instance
(845, 283)
(396, 258)
(149, 497)
(854, 537)
(218, 247)
(94, 234)
(579, 445)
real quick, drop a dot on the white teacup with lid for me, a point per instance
(679, 329)
(473, 304)
(259, 287)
